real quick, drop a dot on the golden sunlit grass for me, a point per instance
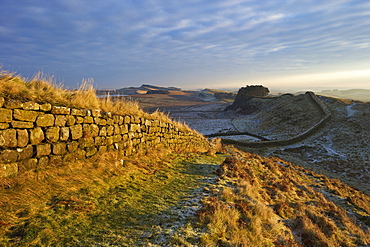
(43, 89)
(271, 202)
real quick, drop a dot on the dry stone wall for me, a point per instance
(39, 135)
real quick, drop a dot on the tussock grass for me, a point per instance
(270, 202)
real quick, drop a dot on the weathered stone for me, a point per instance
(148, 123)
(107, 115)
(102, 149)
(60, 120)
(70, 120)
(8, 138)
(27, 165)
(86, 142)
(60, 110)
(134, 127)
(91, 130)
(76, 131)
(96, 113)
(79, 119)
(5, 115)
(22, 125)
(91, 151)
(59, 148)
(26, 152)
(31, 106)
(8, 170)
(110, 121)
(110, 130)
(13, 104)
(52, 134)
(55, 160)
(43, 162)
(116, 119)
(103, 131)
(127, 120)
(100, 121)
(44, 149)
(88, 119)
(117, 129)
(64, 134)
(22, 137)
(45, 120)
(124, 128)
(76, 112)
(86, 112)
(9, 156)
(45, 107)
(73, 146)
(109, 140)
(117, 138)
(36, 136)
(2, 100)
(4, 126)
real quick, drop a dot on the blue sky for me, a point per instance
(189, 43)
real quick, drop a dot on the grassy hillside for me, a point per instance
(168, 198)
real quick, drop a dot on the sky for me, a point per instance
(190, 44)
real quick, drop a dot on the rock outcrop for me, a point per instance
(245, 94)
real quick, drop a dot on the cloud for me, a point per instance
(138, 41)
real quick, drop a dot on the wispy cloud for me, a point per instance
(191, 41)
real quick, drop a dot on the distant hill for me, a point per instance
(353, 94)
(143, 89)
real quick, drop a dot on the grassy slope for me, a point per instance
(270, 202)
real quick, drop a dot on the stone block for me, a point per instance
(94, 130)
(79, 119)
(127, 120)
(70, 120)
(64, 133)
(76, 131)
(60, 110)
(45, 120)
(13, 104)
(91, 151)
(103, 131)
(31, 106)
(5, 115)
(22, 125)
(137, 120)
(73, 146)
(96, 113)
(60, 120)
(36, 135)
(86, 112)
(86, 142)
(110, 130)
(9, 156)
(88, 120)
(52, 134)
(45, 107)
(117, 129)
(4, 126)
(106, 115)
(102, 149)
(43, 149)
(134, 127)
(27, 165)
(8, 170)
(124, 128)
(22, 137)
(59, 148)
(76, 112)
(26, 152)
(100, 121)
(109, 140)
(2, 100)
(117, 138)
(8, 138)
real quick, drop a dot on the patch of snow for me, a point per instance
(350, 111)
